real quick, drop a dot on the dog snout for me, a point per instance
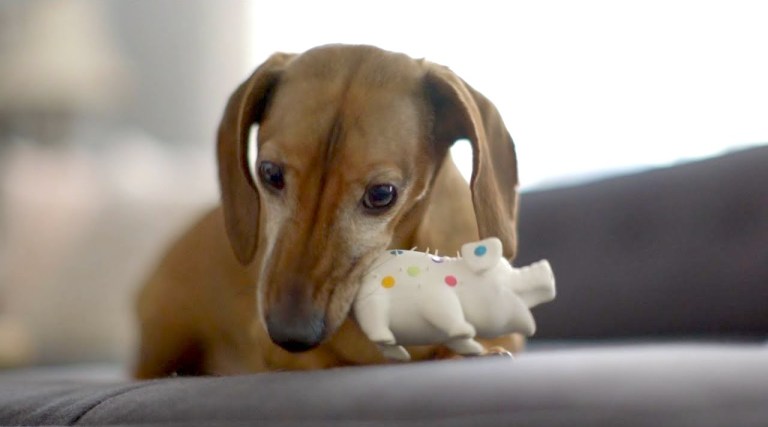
(292, 320)
(294, 332)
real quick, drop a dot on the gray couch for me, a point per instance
(661, 320)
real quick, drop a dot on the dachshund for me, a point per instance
(352, 159)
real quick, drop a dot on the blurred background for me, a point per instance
(108, 111)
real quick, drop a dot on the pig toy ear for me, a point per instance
(482, 255)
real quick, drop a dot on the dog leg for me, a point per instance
(165, 352)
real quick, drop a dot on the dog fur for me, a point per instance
(284, 265)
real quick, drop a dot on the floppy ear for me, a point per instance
(482, 255)
(239, 197)
(461, 112)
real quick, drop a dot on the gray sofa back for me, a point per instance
(680, 251)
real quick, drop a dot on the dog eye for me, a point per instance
(379, 196)
(272, 175)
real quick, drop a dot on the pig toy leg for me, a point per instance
(465, 346)
(373, 317)
(446, 314)
(394, 352)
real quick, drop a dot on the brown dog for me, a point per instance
(352, 159)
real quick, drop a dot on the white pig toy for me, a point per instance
(414, 298)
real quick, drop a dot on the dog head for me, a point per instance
(350, 139)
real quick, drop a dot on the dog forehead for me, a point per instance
(371, 65)
(357, 140)
(347, 98)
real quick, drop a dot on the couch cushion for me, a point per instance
(679, 251)
(651, 385)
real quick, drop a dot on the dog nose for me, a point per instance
(296, 333)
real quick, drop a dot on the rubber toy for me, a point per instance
(416, 298)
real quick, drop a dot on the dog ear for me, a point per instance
(482, 255)
(239, 197)
(463, 113)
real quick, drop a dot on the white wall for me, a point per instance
(186, 57)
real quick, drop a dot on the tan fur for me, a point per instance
(338, 118)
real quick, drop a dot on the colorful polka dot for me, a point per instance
(451, 280)
(388, 282)
(480, 250)
(413, 271)
(437, 259)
